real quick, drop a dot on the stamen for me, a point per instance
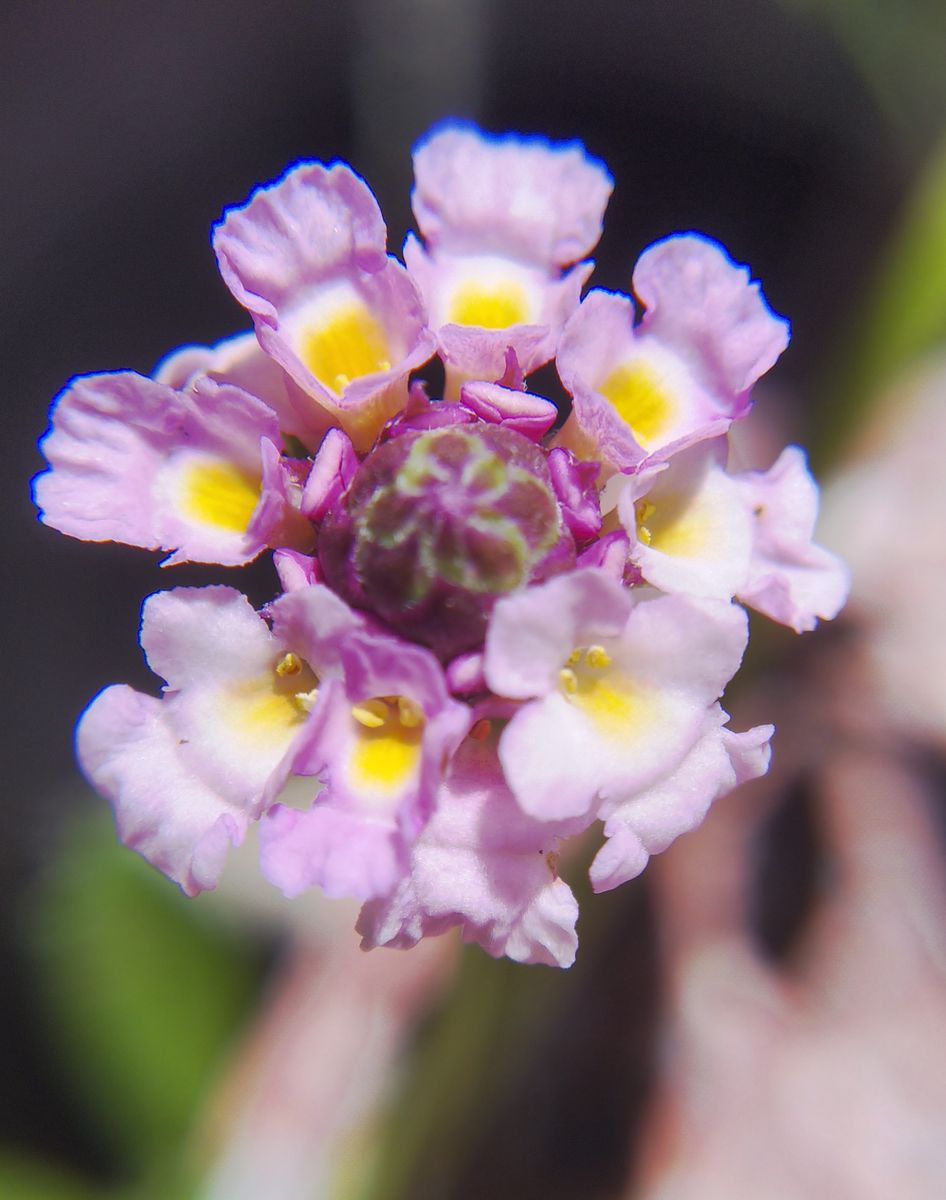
(598, 657)
(371, 713)
(569, 681)
(306, 700)
(289, 664)
(481, 729)
(409, 712)
(643, 511)
(574, 658)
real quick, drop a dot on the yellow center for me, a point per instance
(489, 307)
(267, 709)
(351, 344)
(674, 526)
(387, 748)
(220, 494)
(641, 400)
(615, 704)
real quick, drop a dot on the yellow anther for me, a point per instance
(409, 712)
(574, 658)
(643, 511)
(598, 657)
(371, 713)
(481, 729)
(569, 681)
(341, 382)
(306, 700)
(384, 365)
(289, 664)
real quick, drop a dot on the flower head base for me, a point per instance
(437, 525)
(492, 637)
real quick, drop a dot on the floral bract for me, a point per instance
(498, 626)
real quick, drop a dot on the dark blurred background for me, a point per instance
(788, 131)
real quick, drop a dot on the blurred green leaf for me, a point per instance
(23, 1178)
(897, 46)
(903, 314)
(143, 995)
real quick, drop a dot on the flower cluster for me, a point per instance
(495, 628)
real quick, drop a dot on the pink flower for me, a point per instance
(186, 773)
(502, 217)
(485, 866)
(196, 472)
(386, 727)
(618, 688)
(306, 257)
(685, 372)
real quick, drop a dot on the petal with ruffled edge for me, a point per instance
(137, 462)
(708, 308)
(240, 360)
(187, 773)
(633, 397)
(524, 198)
(483, 865)
(649, 821)
(791, 579)
(129, 751)
(615, 708)
(684, 373)
(306, 257)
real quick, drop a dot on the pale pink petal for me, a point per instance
(706, 306)
(302, 251)
(130, 753)
(791, 579)
(483, 865)
(524, 197)
(121, 448)
(649, 821)
(689, 526)
(343, 853)
(532, 633)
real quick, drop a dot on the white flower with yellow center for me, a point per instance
(502, 219)
(195, 472)
(684, 373)
(617, 686)
(306, 256)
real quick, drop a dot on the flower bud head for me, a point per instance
(436, 527)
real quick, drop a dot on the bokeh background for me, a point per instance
(798, 134)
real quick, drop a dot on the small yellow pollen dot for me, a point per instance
(289, 664)
(569, 681)
(598, 657)
(371, 713)
(481, 729)
(644, 510)
(574, 658)
(341, 382)
(384, 365)
(409, 712)
(306, 700)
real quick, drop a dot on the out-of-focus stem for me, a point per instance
(294, 1116)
